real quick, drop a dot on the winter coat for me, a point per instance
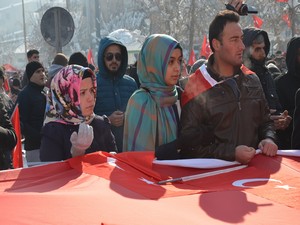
(216, 120)
(296, 123)
(57, 147)
(113, 91)
(32, 104)
(287, 86)
(260, 68)
(8, 138)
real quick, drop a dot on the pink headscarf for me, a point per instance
(65, 93)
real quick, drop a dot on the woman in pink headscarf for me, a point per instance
(76, 130)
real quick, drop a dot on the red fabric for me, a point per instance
(246, 70)
(205, 49)
(286, 19)
(195, 86)
(92, 189)
(192, 58)
(6, 85)
(285, 1)
(198, 84)
(17, 151)
(90, 57)
(258, 22)
(10, 68)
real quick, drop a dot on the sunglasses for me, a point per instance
(110, 56)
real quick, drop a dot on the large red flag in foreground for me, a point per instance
(90, 57)
(192, 58)
(101, 188)
(258, 22)
(205, 49)
(17, 151)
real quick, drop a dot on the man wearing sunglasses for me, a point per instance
(114, 87)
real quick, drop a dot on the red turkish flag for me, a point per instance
(258, 22)
(286, 19)
(90, 57)
(17, 151)
(262, 192)
(205, 49)
(192, 58)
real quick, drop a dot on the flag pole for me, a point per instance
(201, 175)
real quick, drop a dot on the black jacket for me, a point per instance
(56, 144)
(8, 138)
(287, 86)
(32, 103)
(260, 68)
(296, 123)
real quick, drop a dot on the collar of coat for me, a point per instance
(201, 81)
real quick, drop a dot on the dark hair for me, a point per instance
(79, 59)
(31, 52)
(92, 67)
(60, 59)
(216, 27)
(16, 82)
(87, 73)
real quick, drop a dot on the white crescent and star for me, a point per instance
(241, 183)
(238, 183)
(112, 162)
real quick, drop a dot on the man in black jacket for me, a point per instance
(287, 85)
(257, 47)
(32, 103)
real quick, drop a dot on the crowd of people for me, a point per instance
(229, 105)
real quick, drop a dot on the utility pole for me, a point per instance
(192, 27)
(68, 5)
(24, 29)
(294, 10)
(89, 21)
(97, 19)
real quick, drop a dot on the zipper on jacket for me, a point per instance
(235, 89)
(239, 104)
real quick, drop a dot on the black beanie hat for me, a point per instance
(79, 59)
(32, 67)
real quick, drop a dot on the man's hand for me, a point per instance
(268, 147)
(116, 118)
(282, 121)
(244, 154)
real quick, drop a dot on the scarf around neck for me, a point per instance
(150, 119)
